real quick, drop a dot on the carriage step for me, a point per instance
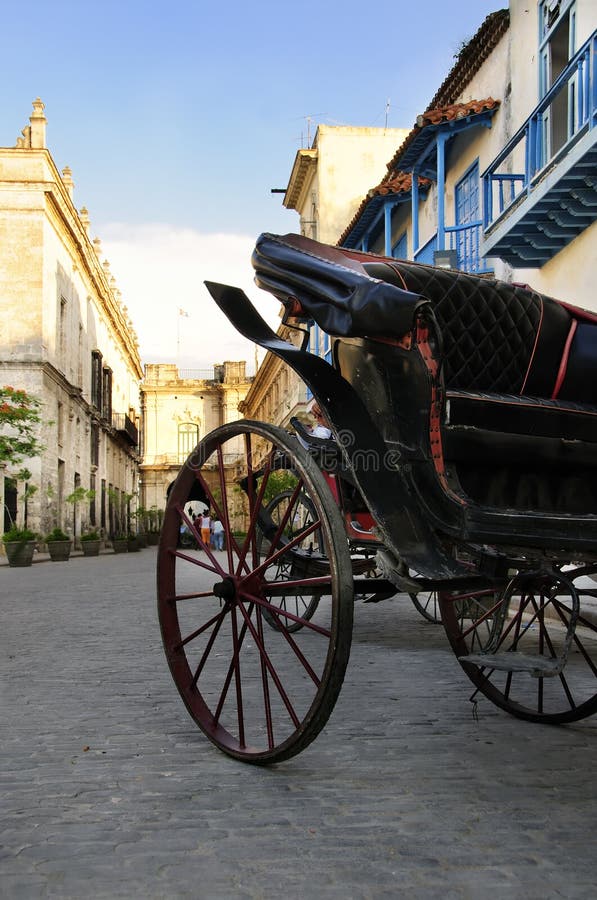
(537, 666)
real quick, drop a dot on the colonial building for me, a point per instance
(325, 187)
(498, 173)
(277, 393)
(179, 409)
(67, 339)
(329, 178)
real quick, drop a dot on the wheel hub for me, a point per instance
(225, 590)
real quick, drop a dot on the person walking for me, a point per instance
(205, 525)
(217, 530)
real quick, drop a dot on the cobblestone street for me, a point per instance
(110, 791)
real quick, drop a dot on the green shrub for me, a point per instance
(57, 534)
(18, 534)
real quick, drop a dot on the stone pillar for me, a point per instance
(38, 126)
(67, 180)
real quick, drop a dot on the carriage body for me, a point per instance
(464, 414)
(483, 396)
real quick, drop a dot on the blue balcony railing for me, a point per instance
(466, 240)
(564, 115)
(425, 253)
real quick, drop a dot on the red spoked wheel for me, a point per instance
(532, 648)
(261, 694)
(427, 605)
(302, 600)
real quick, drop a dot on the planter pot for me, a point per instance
(19, 553)
(142, 539)
(90, 548)
(134, 545)
(153, 538)
(121, 545)
(59, 550)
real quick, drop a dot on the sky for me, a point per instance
(177, 119)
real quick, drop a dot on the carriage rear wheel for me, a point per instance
(427, 605)
(260, 694)
(532, 648)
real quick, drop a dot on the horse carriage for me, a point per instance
(462, 468)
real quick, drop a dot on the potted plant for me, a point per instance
(133, 543)
(59, 545)
(19, 544)
(120, 535)
(120, 543)
(79, 496)
(90, 543)
(154, 518)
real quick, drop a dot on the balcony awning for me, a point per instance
(416, 151)
(394, 191)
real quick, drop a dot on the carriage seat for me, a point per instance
(519, 368)
(520, 375)
(515, 361)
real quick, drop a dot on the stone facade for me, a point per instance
(329, 178)
(178, 409)
(67, 339)
(325, 187)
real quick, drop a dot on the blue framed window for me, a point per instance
(557, 46)
(320, 345)
(400, 248)
(468, 220)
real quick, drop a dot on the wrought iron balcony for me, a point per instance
(541, 190)
(125, 428)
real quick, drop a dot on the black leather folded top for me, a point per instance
(332, 289)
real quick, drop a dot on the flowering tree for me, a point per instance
(19, 416)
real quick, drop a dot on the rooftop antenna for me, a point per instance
(387, 111)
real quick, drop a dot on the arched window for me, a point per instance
(188, 438)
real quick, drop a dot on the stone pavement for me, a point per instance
(110, 791)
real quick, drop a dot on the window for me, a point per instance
(103, 504)
(60, 424)
(468, 220)
(92, 516)
(94, 450)
(557, 20)
(62, 329)
(188, 438)
(80, 358)
(96, 379)
(400, 249)
(107, 394)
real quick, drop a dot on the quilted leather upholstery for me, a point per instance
(488, 327)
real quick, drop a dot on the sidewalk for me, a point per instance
(110, 791)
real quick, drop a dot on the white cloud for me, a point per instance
(160, 269)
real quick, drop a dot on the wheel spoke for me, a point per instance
(279, 553)
(254, 509)
(278, 611)
(540, 662)
(197, 535)
(270, 667)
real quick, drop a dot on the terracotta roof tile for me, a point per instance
(469, 61)
(399, 183)
(443, 107)
(455, 111)
(436, 117)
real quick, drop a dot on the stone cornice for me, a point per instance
(305, 164)
(61, 209)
